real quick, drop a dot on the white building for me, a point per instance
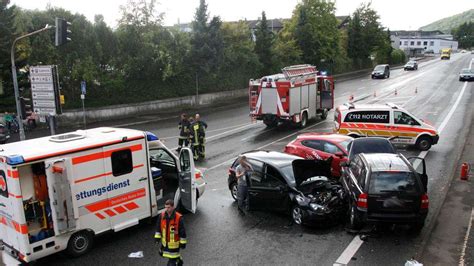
(427, 44)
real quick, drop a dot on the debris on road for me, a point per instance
(136, 255)
(413, 262)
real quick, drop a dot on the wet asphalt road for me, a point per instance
(219, 235)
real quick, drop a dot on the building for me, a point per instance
(419, 42)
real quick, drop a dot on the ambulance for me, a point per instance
(384, 120)
(58, 192)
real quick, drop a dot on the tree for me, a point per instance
(6, 40)
(263, 45)
(464, 34)
(314, 27)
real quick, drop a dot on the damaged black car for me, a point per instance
(287, 183)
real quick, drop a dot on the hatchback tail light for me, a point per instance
(425, 202)
(362, 201)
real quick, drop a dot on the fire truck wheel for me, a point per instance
(423, 143)
(80, 243)
(304, 120)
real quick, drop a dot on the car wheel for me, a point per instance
(297, 214)
(234, 190)
(424, 143)
(354, 218)
(80, 243)
(304, 120)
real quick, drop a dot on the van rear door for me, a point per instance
(187, 180)
(59, 175)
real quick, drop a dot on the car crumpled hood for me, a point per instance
(305, 169)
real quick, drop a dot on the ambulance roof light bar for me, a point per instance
(299, 70)
(392, 105)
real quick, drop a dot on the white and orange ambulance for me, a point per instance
(58, 192)
(384, 120)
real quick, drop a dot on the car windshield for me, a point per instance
(410, 63)
(379, 68)
(371, 146)
(345, 143)
(466, 71)
(382, 182)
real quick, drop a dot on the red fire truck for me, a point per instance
(298, 94)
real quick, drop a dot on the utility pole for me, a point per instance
(15, 80)
(197, 90)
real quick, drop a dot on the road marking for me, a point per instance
(354, 246)
(259, 133)
(349, 252)
(208, 131)
(466, 238)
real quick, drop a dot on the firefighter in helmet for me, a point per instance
(198, 137)
(170, 234)
(184, 131)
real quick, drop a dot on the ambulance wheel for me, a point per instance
(423, 143)
(324, 114)
(304, 120)
(80, 243)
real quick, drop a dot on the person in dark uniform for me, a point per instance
(198, 137)
(184, 132)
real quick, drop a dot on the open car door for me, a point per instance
(59, 186)
(420, 167)
(187, 180)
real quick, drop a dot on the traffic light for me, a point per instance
(62, 31)
(26, 109)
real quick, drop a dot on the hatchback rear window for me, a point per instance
(383, 182)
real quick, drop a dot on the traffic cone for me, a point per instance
(416, 90)
(396, 93)
(351, 98)
(375, 93)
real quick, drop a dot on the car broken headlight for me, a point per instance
(303, 201)
(317, 207)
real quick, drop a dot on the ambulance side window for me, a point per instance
(122, 162)
(3, 184)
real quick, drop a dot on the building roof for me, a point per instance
(426, 38)
(404, 33)
(57, 145)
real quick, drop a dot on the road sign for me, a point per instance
(44, 89)
(83, 87)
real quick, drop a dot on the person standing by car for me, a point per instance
(170, 234)
(242, 172)
(198, 137)
(184, 131)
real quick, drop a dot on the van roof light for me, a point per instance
(151, 137)
(15, 159)
(392, 105)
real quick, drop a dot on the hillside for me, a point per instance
(446, 24)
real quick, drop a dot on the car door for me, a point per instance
(330, 150)
(270, 192)
(420, 167)
(187, 180)
(313, 150)
(403, 125)
(351, 178)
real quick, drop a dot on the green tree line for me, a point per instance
(142, 60)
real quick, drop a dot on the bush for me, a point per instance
(398, 56)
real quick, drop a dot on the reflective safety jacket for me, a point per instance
(170, 229)
(198, 131)
(184, 129)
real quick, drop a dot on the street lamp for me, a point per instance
(15, 81)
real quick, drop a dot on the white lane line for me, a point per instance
(259, 133)
(350, 251)
(361, 88)
(466, 238)
(208, 131)
(268, 144)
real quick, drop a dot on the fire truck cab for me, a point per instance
(58, 192)
(298, 94)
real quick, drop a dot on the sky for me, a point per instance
(394, 14)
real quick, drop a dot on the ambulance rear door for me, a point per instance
(59, 175)
(187, 180)
(7, 231)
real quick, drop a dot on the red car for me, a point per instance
(321, 146)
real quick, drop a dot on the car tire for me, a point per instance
(304, 120)
(80, 243)
(233, 190)
(297, 214)
(355, 222)
(424, 143)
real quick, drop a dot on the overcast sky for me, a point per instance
(394, 14)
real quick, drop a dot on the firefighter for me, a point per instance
(198, 138)
(184, 132)
(170, 234)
